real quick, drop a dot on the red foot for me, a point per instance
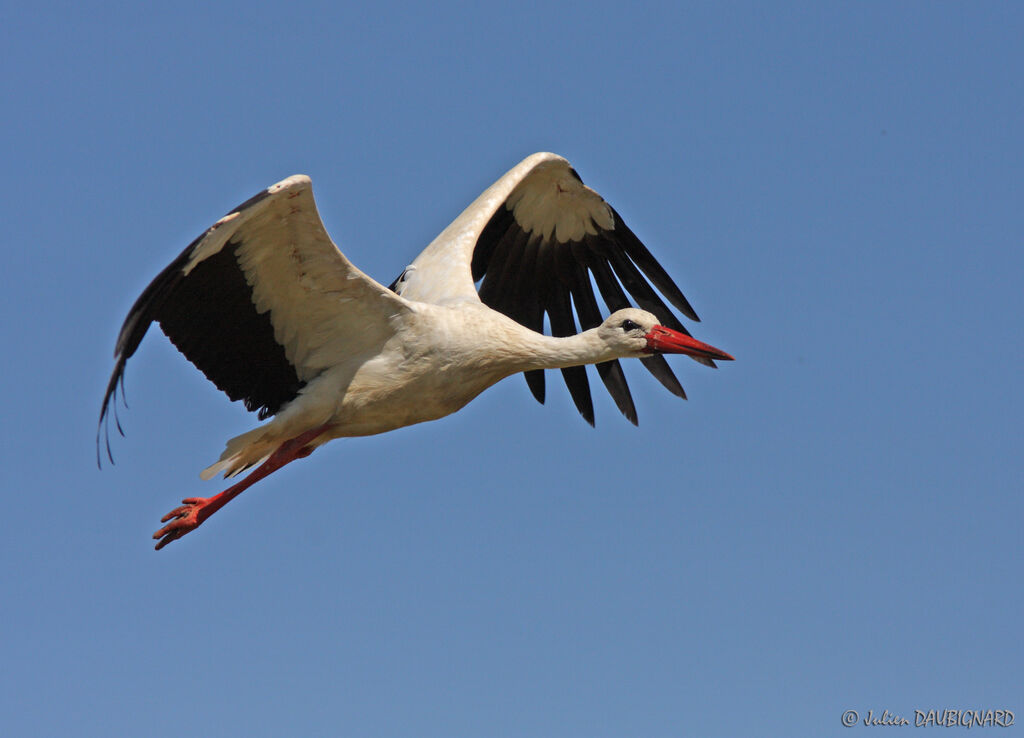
(195, 510)
(184, 519)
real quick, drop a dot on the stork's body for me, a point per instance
(268, 308)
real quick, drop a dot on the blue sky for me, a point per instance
(832, 522)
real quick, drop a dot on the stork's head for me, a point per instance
(637, 333)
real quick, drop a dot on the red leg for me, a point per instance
(195, 510)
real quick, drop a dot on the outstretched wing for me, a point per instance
(537, 241)
(261, 303)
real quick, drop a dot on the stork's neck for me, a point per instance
(548, 352)
(490, 340)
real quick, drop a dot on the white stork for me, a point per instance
(269, 309)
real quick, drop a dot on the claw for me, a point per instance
(182, 520)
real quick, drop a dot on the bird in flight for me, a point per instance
(269, 309)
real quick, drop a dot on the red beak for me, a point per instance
(667, 341)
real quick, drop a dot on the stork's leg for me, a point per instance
(195, 510)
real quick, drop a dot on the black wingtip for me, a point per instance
(109, 409)
(615, 382)
(579, 389)
(643, 258)
(535, 381)
(658, 366)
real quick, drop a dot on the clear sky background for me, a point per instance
(832, 522)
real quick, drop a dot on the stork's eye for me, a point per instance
(629, 326)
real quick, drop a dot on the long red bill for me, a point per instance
(667, 341)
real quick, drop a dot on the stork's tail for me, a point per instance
(241, 453)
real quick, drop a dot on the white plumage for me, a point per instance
(274, 314)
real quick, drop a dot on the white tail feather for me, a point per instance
(240, 453)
